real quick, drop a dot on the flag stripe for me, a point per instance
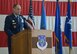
(3, 39)
(6, 8)
(50, 22)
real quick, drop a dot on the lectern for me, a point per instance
(25, 42)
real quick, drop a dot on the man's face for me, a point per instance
(17, 10)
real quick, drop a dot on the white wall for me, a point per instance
(4, 50)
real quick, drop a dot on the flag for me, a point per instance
(67, 30)
(30, 20)
(58, 45)
(43, 17)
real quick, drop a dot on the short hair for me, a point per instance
(14, 6)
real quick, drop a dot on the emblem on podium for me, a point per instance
(42, 44)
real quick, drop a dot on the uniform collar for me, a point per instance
(15, 15)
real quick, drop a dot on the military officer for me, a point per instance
(14, 23)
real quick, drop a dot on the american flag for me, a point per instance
(6, 9)
(30, 20)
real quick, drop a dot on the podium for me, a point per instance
(25, 42)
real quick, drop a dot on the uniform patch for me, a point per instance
(13, 20)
